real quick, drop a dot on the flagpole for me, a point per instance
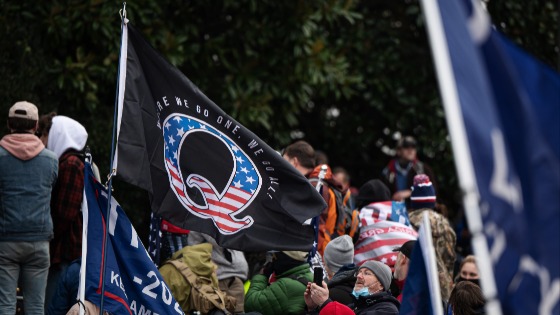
(119, 97)
(461, 151)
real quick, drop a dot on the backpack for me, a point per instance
(204, 296)
(346, 220)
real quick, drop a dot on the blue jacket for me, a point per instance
(66, 290)
(25, 192)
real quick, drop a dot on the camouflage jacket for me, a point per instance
(444, 240)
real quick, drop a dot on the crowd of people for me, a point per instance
(41, 191)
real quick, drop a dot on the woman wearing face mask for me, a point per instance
(468, 271)
(371, 291)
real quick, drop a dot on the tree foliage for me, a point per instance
(349, 76)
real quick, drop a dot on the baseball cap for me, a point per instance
(24, 110)
(406, 248)
(406, 142)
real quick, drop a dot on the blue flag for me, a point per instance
(133, 284)
(416, 292)
(399, 213)
(510, 104)
(421, 293)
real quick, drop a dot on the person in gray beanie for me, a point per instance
(340, 269)
(371, 291)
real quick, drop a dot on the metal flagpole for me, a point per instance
(85, 214)
(461, 151)
(121, 77)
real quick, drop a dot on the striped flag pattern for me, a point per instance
(377, 241)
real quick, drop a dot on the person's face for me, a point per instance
(401, 267)
(341, 178)
(365, 278)
(469, 271)
(407, 153)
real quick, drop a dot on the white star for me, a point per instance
(252, 191)
(314, 244)
(177, 118)
(180, 132)
(167, 125)
(202, 126)
(175, 155)
(399, 212)
(245, 170)
(191, 127)
(384, 260)
(394, 258)
(240, 159)
(250, 180)
(171, 140)
(237, 184)
(234, 148)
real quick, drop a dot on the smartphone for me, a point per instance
(318, 276)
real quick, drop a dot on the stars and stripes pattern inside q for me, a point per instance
(242, 188)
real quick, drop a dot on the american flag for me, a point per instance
(386, 210)
(221, 209)
(377, 241)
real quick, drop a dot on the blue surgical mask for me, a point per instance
(361, 292)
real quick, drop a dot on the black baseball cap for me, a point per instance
(406, 248)
(406, 142)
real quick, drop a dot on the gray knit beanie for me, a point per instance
(381, 271)
(339, 252)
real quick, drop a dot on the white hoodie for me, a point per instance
(66, 133)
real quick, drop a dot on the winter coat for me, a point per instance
(198, 259)
(284, 296)
(382, 303)
(444, 240)
(389, 174)
(231, 263)
(341, 286)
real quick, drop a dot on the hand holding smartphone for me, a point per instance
(318, 276)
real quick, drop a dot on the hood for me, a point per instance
(24, 146)
(343, 277)
(198, 258)
(66, 133)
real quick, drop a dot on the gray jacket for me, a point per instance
(231, 263)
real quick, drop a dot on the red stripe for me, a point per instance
(179, 191)
(228, 195)
(221, 204)
(241, 190)
(236, 197)
(223, 216)
(174, 175)
(376, 244)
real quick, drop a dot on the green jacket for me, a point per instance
(284, 296)
(198, 258)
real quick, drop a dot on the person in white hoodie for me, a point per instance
(67, 139)
(28, 173)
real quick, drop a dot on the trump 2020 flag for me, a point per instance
(133, 284)
(206, 172)
(510, 106)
